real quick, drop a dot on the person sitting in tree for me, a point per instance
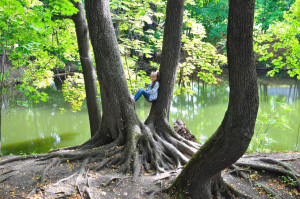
(150, 94)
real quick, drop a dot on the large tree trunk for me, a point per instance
(87, 67)
(154, 145)
(158, 119)
(230, 141)
(116, 104)
(169, 59)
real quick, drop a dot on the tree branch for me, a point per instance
(120, 20)
(62, 16)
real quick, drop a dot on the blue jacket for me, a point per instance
(153, 91)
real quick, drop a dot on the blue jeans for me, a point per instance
(140, 93)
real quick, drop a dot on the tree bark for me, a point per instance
(153, 144)
(87, 67)
(169, 60)
(118, 111)
(232, 138)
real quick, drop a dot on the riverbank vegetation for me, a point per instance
(103, 51)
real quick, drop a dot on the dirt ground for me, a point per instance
(273, 175)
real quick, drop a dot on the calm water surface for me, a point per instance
(41, 127)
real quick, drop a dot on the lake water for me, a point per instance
(41, 127)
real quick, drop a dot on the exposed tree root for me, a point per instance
(219, 189)
(67, 178)
(148, 147)
(241, 173)
(267, 189)
(276, 162)
(6, 178)
(230, 191)
(247, 170)
(71, 155)
(273, 170)
(7, 172)
(14, 159)
(114, 179)
(259, 164)
(88, 193)
(66, 148)
(82, 170)
(152, 192)
(42, 180)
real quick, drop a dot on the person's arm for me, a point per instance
(154, 89)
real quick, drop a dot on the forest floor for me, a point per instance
(264, 175)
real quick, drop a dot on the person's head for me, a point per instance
(154, 76)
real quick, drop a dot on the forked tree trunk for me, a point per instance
(232, 138)
(89, 74)
(153, 144)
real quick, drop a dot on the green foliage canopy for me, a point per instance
(279, 47)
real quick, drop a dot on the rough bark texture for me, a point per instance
(169, 60)
(87, 67)
(130, 143)
(116, 104)
(232, 138)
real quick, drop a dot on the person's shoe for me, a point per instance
(132, 99)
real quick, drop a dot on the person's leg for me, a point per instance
(138, 94)
(146, 95)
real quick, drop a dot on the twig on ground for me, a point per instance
(120, 181)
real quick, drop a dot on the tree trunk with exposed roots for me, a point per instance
(201, 177)
(132, 145)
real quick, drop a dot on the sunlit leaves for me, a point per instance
(32, 94)
(37, 42)
(62, 7)
(213, 16)
(279, 47)
(200, 57)
(270, 12)
(74, 91)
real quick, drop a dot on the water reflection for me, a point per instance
(41, 127)
(279, 102)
